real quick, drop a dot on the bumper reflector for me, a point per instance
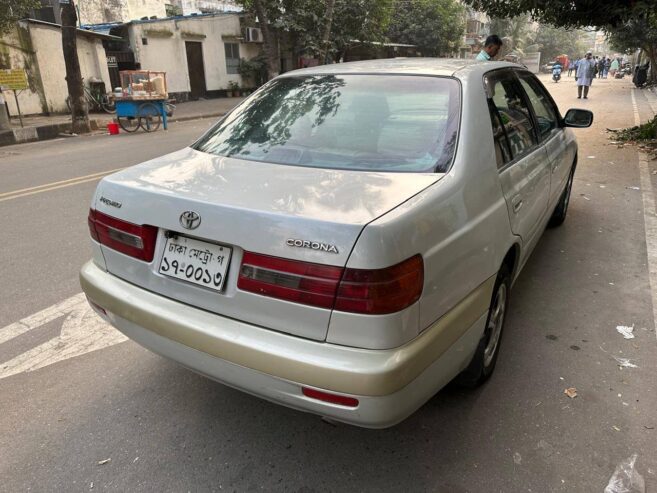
(341, 400)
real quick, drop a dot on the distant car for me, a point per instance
(345, 240)
(547, 68)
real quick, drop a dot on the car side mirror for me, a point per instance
(578, 118)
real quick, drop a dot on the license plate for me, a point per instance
(196, 261)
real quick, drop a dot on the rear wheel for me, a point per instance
(128, 124)
(559, 214)
(483, 362)
(152, 118)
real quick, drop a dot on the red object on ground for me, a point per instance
(113, 128)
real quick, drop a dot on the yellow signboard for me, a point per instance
(13, 79)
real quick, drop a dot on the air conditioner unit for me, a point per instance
(253, 35)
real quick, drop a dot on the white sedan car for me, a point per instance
(345, 240)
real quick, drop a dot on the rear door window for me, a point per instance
(546, 116)
(361, 122)
(508, 105)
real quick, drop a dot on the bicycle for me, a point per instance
(97, 101)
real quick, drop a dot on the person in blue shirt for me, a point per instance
(491, 48)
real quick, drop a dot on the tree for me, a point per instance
(568, 13)
(553, 41)
(514, 31)
(14, 10)
(79, 109)
(637, 33)
(310, 24)
(435, 26)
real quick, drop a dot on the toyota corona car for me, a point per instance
(345, 240)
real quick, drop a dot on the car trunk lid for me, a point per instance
(299, 213)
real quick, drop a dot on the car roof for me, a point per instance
(446, 67)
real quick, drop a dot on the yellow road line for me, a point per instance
(54, 185)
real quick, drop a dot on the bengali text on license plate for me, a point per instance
(196, 261)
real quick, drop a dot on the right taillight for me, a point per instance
(377, 291)
(381, 291)
(137, 241)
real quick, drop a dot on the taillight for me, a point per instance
(381, 291)
(377, 291)
(291, 280)
(128, 238)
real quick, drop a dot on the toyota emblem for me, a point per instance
(190, 220)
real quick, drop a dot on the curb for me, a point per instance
(54, 130)
(42, 132)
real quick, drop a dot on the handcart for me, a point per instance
(142, 101)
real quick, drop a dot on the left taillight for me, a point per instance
(135, 240)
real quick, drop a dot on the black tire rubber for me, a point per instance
(108, 104)
(477, 371)
(128, 124)
(560, 211)
(153, 120)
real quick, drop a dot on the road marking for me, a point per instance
(55, 185)
(82, 331)
(649, 216)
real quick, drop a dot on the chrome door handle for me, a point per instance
(516, 203)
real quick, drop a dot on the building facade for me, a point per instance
(36, 47)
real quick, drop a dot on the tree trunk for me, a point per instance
(324, 46)
(652, 55)
(270, 46)
(79, 109)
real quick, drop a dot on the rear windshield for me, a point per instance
(359, 122)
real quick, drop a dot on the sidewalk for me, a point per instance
(39, 127)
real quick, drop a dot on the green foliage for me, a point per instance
(634, 34)
(365, 20)
(435, 26)
(514, 31)
(13, 10)
(647, 131)
(553, 41)
(568, 13)
(254, 69)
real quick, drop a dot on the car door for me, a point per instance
(551, 133)
(522, 162)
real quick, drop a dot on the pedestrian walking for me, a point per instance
(613, 68)
(491, 48)
(571, 66)
(601, 67)
(575, 65)
(585, 74)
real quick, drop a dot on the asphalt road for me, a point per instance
(71, 404)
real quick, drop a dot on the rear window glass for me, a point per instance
(360, 122)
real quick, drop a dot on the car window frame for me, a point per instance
(458, 123)
(511, 72)
(559, 120)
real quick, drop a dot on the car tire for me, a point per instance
(560, 211)
(483, 362)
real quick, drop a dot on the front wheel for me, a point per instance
(483, 362)
(107, 103)
(559, 214)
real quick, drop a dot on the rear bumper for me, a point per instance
(389, 384)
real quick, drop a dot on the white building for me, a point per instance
(36, 47)
(200, 53)
(188, 7)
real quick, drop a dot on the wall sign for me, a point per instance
(14, 79)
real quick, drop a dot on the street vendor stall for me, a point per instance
(142, 101)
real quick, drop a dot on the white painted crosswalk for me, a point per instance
(82, 331)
